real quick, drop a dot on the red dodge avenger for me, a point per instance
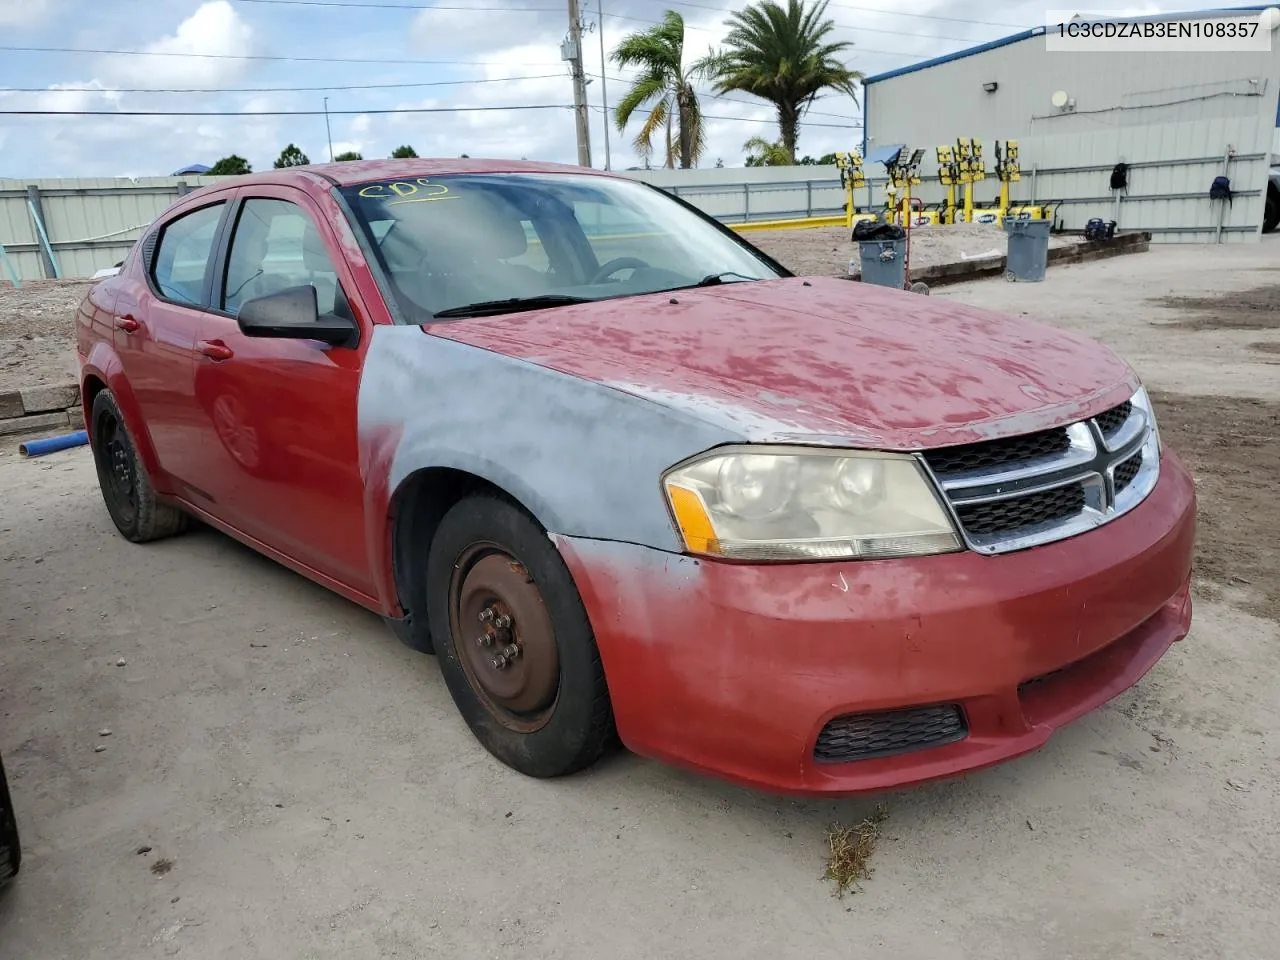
(630, 479)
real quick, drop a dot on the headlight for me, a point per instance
(789, 503)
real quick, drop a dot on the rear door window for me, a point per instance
(182, 256)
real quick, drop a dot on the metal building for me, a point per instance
(1177, 120)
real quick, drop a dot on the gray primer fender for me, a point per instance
(584, 458)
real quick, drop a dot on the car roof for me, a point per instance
(353, 172)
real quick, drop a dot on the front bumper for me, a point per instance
(736, 669)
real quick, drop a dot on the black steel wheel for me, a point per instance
(10, 846)
(514, 642)
(126, 489)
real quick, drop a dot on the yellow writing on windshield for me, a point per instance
(421, 190)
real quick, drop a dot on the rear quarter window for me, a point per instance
(183, 252)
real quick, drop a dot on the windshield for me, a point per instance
(450, 243)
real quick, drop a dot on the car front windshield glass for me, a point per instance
(449, 244)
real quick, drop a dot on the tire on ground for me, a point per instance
(10, 845)
(1271, 212)
(150, 519)
(580, 727)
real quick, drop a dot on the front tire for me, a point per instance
(10, 846)
(1271, 212)
(513, 640)
(126, 489)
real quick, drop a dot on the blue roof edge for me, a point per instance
(1038, 31)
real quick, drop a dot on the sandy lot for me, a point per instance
(37, 324)
(316, 795)
(827, 252)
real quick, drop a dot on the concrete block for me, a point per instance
(34, 422)
(11, 405)
(49, 398)
(75, 417)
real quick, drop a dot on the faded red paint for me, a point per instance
(823, 356)
(733, 669)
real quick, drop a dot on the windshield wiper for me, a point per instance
(489, 308)
(715, 279)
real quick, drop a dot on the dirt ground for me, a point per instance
(37, 323)
(316, 795)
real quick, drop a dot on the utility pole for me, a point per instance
(327, 132)
(604, 89)
(571, 50)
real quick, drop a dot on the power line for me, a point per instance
(276, 113)
(710, 116)
(248, 56)
(728, 99)
(380, 5)
(354, 86)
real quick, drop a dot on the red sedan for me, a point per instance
(631, 479)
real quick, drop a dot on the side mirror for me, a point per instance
(294, 314)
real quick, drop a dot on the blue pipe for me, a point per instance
(38, 448)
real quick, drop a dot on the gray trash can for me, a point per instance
(883, 262)
(1028, 249)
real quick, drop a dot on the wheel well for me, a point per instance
(90, 390)
(417, 508)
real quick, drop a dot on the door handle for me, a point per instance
(216, 350)
(128, 323)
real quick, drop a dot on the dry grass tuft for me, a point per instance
(849, 849)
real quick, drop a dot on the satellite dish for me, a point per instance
(1059, 99)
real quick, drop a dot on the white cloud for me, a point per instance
(24, 13)
(214, 29)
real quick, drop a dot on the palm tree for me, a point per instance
(666, 87)
(782, 54)
(762, 153)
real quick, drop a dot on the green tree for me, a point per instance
(348, 155)
(665, 87)
(762, 153)
(232, 166)
(404, 152)
(291, 156)
(782, 55)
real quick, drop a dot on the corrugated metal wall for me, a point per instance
(1136, 108)
(91, 223)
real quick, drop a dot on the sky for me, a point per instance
(498, 59)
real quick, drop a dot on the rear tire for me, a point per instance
(495, 583)
(1271, 212)
(126, 489)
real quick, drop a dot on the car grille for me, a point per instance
(1017, 492)
(1113, 419)
(1001, 515)
(979, 456)
(863, 736)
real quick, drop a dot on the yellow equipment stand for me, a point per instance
(949, 177)
(903, 174)
(1007, 171)
(851, 177)
(972, 170)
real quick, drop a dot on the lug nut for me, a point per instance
(511, 651)
(499, 662)
(485, 640)
(486, 614)
(502, 622)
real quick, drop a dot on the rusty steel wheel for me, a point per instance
(513, 640)
(507, 644)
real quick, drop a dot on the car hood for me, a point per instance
(820, 360)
